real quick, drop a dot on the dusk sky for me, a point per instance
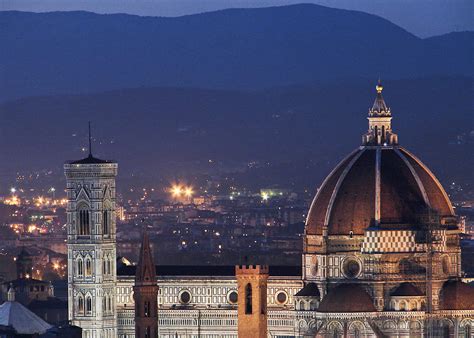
(421, 17)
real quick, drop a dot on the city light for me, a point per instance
(176, 191)
(12, 190)
(188, 191)
(265, 196)
(14, 200)
(179, 191)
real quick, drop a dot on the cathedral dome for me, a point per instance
(378, 183)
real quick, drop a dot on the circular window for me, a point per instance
(232, 297)
(184, 297)
(351, 268)
(281, 297)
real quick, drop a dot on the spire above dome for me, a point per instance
(380, 123)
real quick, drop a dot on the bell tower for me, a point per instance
(380, 123)
(252, 300)
(91, 245)
(145, 293)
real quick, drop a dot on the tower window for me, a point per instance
(88, 267)
(88, 305)
(80, 305)
(84, 223)
(80, 267)
(248, 299)
(105, 222)
(146, 309)
(109, 265)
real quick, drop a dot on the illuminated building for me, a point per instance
(381, 258)
(91, 240)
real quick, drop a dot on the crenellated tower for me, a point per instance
(145, 293)
(252, 302)
(91, 243)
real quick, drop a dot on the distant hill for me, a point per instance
(72, 52)
(158, 131)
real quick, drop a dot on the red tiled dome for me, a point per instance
(347, 298)
(346, 200)
(407, 289)
(456, 295)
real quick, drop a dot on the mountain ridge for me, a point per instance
(74, 52)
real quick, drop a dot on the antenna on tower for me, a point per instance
(90, 140)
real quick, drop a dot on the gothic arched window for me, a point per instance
(88, 305)
(88, 267)
(107, 302)
(80, 267)
(109, 265)
(83, 228)
(106, 222)
(80, 305)
(248, 299)
(467, 329)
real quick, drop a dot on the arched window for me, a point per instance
(88, 267)
(446, 331)
(84, 222)
(403, 306)
(248, 299)
(467, 332)
(104, 272)
(104, 304)
(147, 332)
(80, 305)
(88, 305)
(356, 332)
(109, 265)
(146, 309)
(80, 267)
(106, 222)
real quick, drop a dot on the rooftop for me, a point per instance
(206, 270)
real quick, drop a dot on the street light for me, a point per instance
(188, 191)
(176, 191)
